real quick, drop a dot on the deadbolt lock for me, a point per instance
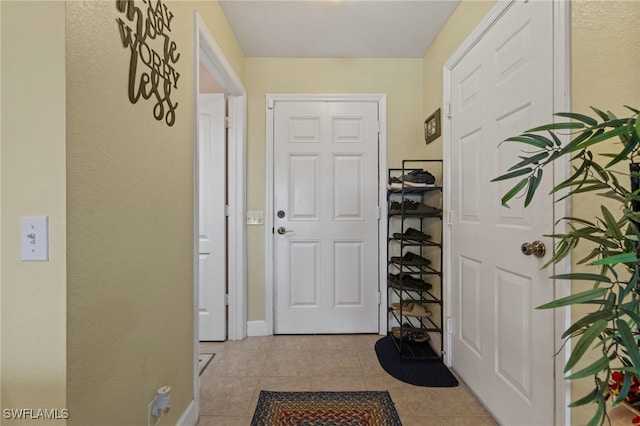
(535, 248)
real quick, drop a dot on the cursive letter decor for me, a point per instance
(153, 55)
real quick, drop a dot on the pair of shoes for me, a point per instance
(419, 178)
(411, 309)
(407, 282)
(415, 179)
(413, 208)
(396, 207)
(412, 234)
(410, 259)
(406, 332)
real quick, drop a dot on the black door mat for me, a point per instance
(428, 373)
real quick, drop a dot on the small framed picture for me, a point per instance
(432, 127)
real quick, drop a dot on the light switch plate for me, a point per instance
(255, 218)
(34, 238)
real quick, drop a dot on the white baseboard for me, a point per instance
(257, 328)
(190, 415)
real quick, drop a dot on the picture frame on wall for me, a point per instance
(432, 127)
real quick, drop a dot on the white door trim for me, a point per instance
(561, 82)
(271, 99)
(207, 51)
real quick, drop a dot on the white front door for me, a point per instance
(325, 217)
(212, 217)
(502, 347)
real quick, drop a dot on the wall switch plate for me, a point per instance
(255, 218)
(34, 238)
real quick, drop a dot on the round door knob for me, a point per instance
(535, 248)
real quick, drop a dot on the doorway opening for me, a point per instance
(218, 77)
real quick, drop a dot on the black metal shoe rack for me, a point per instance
(399, 245)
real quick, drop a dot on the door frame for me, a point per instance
(561, 171)
(207, 52)
(271, 99)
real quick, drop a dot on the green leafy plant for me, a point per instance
(612, 290)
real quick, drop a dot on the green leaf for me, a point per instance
(624, 154)
(624, 391)
(582, 277)
(591, 369)
(528, 140)
(602, 115)
(588, 319)
(557, 126)
(583, 344)
(511, 175)
(617, 258)
(580, 117)
(590, 397)
(530, 160)
(629, 342)
(612, 225)
(577, 298)
(534, 182)
(514, 191)
(602, 137)
(637, 125)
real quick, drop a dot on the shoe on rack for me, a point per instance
(410, 334)
(411, 309)
(423, 210)
(410, 259)
(419, 178)
(412, 234)
(407, 282)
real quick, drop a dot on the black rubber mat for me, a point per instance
(428, 373)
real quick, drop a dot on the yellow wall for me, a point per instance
(33, 183)
(130, 220)
(465, 18)
(605, 73)
(109, 318)
(400, 79)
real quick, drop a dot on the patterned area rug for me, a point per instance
(367, 408)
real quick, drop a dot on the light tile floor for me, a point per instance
(230, 385)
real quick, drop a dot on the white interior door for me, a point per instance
(502, 347)
(212, 218)
(326, 217)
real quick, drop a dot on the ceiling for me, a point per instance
(337, 28)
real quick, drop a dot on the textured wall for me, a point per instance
(33, 183)
(400, 79)
(605, 73)
(465, 18)
(130, 220)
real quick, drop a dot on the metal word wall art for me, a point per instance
(152, 71)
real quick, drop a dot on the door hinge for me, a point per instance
(449, 325)
(227, 210)
(227, 299)
(447, 109)
(271, 104)
(379, 298)
(227, 122)
(449, 217)
(378, 126)
(378, 214)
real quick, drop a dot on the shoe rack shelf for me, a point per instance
(414, 268)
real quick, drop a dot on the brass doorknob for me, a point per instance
(282, 230)
(535, 248)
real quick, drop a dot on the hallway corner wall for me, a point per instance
(130, 204)
(462, 22)
(33, 179)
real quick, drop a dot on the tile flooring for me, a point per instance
(230, 385)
